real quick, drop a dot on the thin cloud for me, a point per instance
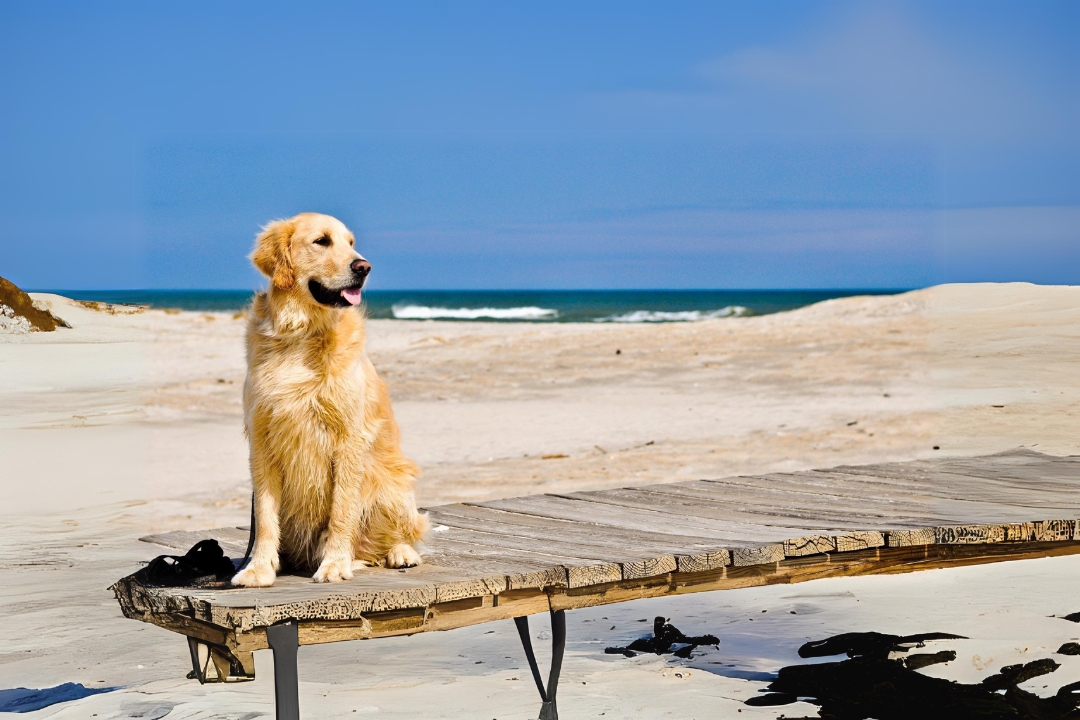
(876, 72)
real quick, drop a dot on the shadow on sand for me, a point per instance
(870, 685)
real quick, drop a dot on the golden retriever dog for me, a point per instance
(333, 490)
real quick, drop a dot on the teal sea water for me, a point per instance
(622, 306)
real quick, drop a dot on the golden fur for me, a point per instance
(331, 484)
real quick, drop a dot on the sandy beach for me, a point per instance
(129, 423)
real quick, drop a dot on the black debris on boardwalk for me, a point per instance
(665, 636)
(870, 685)
(204, 565)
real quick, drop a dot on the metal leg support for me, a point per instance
(284, 640)
(548, 710)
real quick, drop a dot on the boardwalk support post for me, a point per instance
(548, 710)
(284, 639)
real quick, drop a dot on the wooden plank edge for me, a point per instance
(515, 603)
(1036, 531)
(475, 611)
(150, 604)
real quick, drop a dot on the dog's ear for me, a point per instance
(273, 254)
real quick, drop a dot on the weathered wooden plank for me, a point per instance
(361, 591)
(809, 545)
(634, 563)
(794, 492)
(593, 548)
(954, 534)
(973, 500)
(649, 567)
(568, 544)
(764, 498)
(577, 570)
(916, 536)
(471, 612)
(600, 516)
(567, 551)
(851, 485)
(768, 521)
(232, 540)
(578, 577)
(670, 550)
(1005, 474)
(860, 540)
(943, 482)
(523, 570)
(1053, 530)
(1023, 466)
(703, 561)
(810, 491)
(761, 555)
(476, 517)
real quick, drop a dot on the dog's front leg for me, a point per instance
(345, 517)
(262, 569)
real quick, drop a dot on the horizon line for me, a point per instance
(59, 291)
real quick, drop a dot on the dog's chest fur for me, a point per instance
(306, 400)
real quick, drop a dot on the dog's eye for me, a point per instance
(324, 241)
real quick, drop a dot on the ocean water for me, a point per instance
(603, 306)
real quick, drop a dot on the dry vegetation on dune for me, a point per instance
(19, 314)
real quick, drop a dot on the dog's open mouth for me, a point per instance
(341, 297)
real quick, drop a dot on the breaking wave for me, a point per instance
(657, 316)
(423, 312)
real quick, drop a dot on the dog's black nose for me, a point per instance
(360, 266)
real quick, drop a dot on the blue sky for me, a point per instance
(504, 145)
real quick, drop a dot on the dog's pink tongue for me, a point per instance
(351, 295)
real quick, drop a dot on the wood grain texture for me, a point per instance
(915, 536)
(809, 545)
(461, 613)
(760, 555)
(954, 534)
(849, 542)
(703, 561)
(523, 555)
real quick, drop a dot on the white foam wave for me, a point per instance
(646, 316)
(423, 312)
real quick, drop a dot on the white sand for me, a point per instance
(129, 424)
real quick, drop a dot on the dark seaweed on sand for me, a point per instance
(870, 685)
(664, 637)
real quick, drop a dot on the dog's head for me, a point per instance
(312, 256)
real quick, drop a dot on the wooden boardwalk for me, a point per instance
(512, 558)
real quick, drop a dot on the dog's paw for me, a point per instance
(255, 575)
(334, 569)
(402, 555)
